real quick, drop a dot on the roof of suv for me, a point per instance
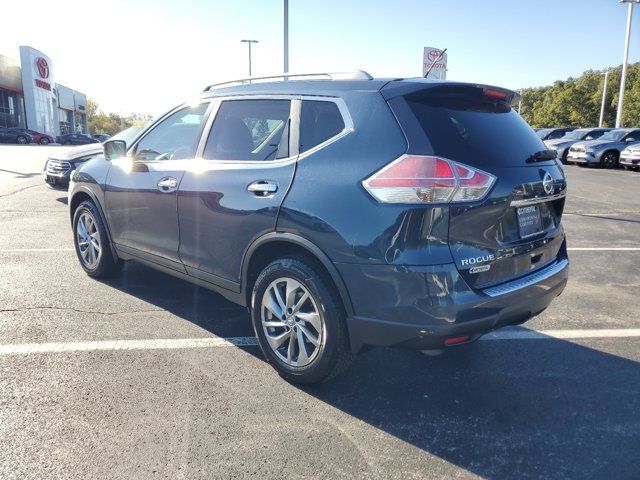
(334, 87)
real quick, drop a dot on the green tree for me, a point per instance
(111, 123)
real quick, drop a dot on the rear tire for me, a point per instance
(299, 322)
(44, 141)
(93, 247)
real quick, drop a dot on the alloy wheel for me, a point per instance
(22, 140)
(609, 160)
(88, 239)
(291, 322)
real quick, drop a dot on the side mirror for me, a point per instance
(114, 149)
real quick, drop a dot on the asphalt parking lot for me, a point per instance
(146, 376)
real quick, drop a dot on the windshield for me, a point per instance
(614, 135)
(576, 134)
(127, 135)
(543, 132)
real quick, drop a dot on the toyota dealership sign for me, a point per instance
(438, 65)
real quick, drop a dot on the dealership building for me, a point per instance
(30, 97)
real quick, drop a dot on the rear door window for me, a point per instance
(319, 121)
(462, 124)
(250, 130)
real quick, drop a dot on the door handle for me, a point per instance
(263, 188)
(167, 184)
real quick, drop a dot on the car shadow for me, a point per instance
(542, 408)
(63, 200)
(21, 174)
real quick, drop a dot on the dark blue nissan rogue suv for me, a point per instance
(344, 213)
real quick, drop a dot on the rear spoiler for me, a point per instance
(397, 88)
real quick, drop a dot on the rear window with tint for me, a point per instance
(463, 125)
(319, 122)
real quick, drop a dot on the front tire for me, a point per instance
(44, 141)
(609, 160)
(299, 322)
(21, 140)
(90, 238)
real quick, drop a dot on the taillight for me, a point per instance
(427, 179)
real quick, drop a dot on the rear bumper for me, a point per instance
(420, 307)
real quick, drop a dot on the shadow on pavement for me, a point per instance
(500, 409)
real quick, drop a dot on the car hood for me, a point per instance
(595, 144)
(559, 142)
(77, 152)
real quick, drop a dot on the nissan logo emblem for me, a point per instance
(547, 183)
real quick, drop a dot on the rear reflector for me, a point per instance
(455, 340)
(427, 179)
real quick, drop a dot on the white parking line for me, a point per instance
(19, 250)
(604, 249)
(185, 343)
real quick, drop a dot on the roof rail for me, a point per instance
(354, 75)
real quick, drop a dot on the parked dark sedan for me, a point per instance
(39, 138)
(562, 145)
(101, 137)
(15, 135)
(76, 139)
(552, 133)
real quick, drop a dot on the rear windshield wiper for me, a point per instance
(541, 156)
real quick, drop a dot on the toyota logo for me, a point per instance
(43, 67)
(547, 183)
(433, 55)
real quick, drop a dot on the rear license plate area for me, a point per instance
(529, 221)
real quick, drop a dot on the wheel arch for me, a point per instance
(79, 196)
(276, 245)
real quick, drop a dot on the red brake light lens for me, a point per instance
(428, 179)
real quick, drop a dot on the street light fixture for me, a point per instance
(249, 42)
(626, 56)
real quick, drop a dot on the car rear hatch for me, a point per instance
(515, 228)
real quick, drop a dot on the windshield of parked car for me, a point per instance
(543, 132)
(614, 135)
(127, 134)
(576, 134)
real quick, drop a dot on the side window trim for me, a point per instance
(133, 148)
(294, 129)
(346, 118)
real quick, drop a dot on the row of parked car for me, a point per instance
(60, 164)
(24, 136)
(605, 147)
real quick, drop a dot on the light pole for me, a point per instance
(604, 96)
(249, 42)
(286, 36)
(626, 55)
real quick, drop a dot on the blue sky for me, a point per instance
(139, 55)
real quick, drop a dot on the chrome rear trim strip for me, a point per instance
(527, 281)
(536, 200)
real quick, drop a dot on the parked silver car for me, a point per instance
(604, 151)
(630, 157)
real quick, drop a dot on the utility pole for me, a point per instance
(626, 56)
(286, 36)
(249, 42)
(604, 96)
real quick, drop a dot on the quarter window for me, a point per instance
(319, 122)
(174, 138)
(250, 130)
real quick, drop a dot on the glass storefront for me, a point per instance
(11, 109)
(66, 121)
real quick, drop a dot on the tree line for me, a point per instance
(100, 122)
(575, 102)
